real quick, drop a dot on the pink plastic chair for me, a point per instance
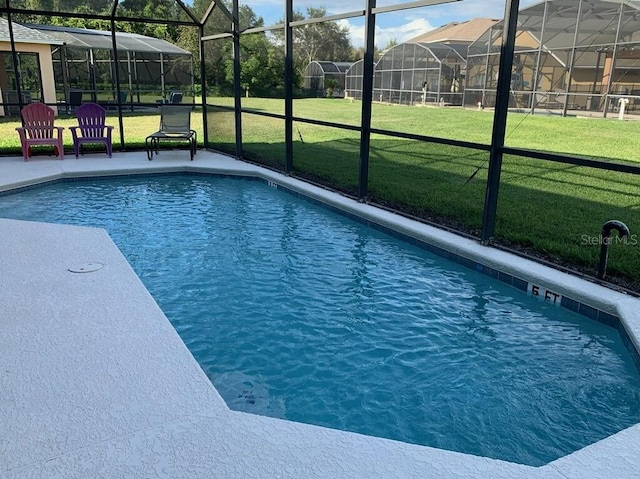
(39, 130)
(92, 128)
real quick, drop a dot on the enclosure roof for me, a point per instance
(439, 51)
(457, 32)
(22, 34)
(598, 24)
(356, 65)
(343, 66)
(100, 40)
(333, 67)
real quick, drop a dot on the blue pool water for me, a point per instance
(299, 313)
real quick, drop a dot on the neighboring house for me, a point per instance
(353, 81)
(35, 67)
(429, 68)
(64, 65)
(149, 67)
(420, 73)
(317, 72)
(569, 55)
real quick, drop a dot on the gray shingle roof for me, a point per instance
(22, 34)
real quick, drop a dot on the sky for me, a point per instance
(399, 26)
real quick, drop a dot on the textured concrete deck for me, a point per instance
(95, 383)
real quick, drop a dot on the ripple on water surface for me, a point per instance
(298, 313)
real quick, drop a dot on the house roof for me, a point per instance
(23, 34)
(457, 32)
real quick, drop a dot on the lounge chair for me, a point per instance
(175, 125)
(75, 99)
(175, 98)
(112, 103)
(39, 130)
(91, 128)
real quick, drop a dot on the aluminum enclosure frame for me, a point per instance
(496, 148)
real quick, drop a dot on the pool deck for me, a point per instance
(96, 383)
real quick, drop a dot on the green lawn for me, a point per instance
(553, 210)
(136, 128)
(610, 138)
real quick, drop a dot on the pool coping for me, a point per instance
(613, 456)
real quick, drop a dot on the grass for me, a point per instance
(596, 137)
(552, 210)
(136, 128)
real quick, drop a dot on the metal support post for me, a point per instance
(203, 85)
(367, 99)
(116, 71)
(237, 89)
(500, 119)
(288, 86)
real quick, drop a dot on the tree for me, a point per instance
(217, 52)
(82, 22)
(358, 53)
(321, 41)
(156, 9)
(390, 44)
(331, 84)
(317, 41)
(261, 68)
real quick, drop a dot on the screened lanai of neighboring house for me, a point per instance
(420, 73)
(149, 68)
(318, 72)
(35, 71)
(353, 80)
(570, 55)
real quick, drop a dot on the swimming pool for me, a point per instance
(296, 266)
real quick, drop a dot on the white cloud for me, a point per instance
(384, 35)
(402, 33)
(356, 32)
